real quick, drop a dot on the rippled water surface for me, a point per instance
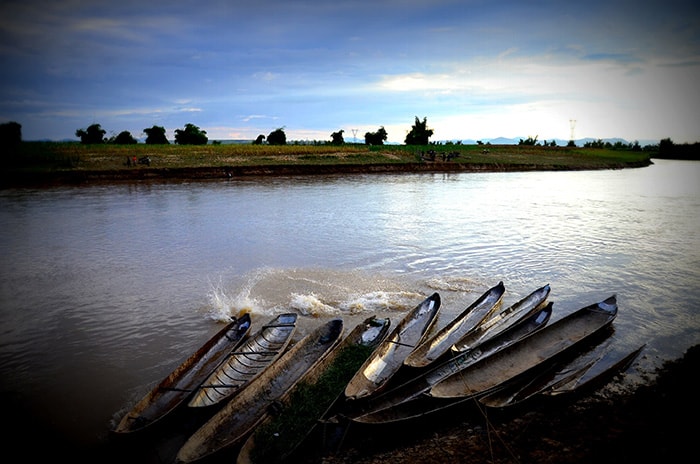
(105, 289)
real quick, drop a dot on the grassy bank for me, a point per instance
(45, 161)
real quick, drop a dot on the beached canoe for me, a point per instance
(558, 370)
(239, 416)
(246, 362)
(500, 321)
(389, 356)
(181, 382)
(459, 327)
(590, 375)
(408, 400)
(297, 412)
(489, 373)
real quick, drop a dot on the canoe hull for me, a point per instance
(530, 352)
(246, 362)
(462, 325)
(237, 418)
(180, 384)
(389, 356)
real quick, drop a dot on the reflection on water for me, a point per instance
(105, 289)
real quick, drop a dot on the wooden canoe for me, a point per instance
(500, 321)
(408, 400)
(489, 373)
(296, 413)
(239, 416)
(389, 356)
(180, 383)
(556, 371)
(459, 327)
(592, 374)
(246, 362)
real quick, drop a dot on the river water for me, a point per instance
(105, 289)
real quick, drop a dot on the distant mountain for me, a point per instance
(559, 142)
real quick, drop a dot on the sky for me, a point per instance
(476, 70)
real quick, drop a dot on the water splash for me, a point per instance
(225, 305)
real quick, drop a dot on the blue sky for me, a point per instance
(476, 69)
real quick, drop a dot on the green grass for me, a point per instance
(51, 157)
(277, 438)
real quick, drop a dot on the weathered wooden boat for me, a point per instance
(238, 417)
(514, 360)
(246, 362)
(500, 321)
(555, 371)
(389, 356)
(408, 400)
(296, 413)
(459, 327)
(593, 374)
(181, 382)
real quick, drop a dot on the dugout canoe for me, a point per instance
(557, 371)
(246, 362)
(389, 356)
(500, 321)
(592, 374)
(239, 416)
(459, 327)
(489, 373)
(296, 413)
(408, 400)
(183, 381)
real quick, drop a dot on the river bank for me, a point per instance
(37, 165)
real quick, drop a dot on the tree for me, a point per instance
(419, 134)
(376, 138)
(156, 136)
(93, 134)
(124, 138)
(337, 137)
(10, 134)
(277, 137)
(259, 140)
(191, 135)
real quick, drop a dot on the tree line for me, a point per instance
(11, 136)
(11, 133)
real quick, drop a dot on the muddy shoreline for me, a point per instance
(15, 179)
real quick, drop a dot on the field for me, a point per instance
(69, 162)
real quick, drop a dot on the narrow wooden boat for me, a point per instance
(408, 400)
(593, 374)
(389, 356)
(180, 383)
(296, 413)
(237, 418)
(246, 362)
(500, 321)
(528, 353)
(559, 370)
(459, 327)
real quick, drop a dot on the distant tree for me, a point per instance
(93, 134)
(124, 138)
(337, 138)
(10, 134)
(376, 138)
(528, 141)
(259, 140)
(277, 137)
(571, 143)
(419, 133)
(191, 135)
(156, 136)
